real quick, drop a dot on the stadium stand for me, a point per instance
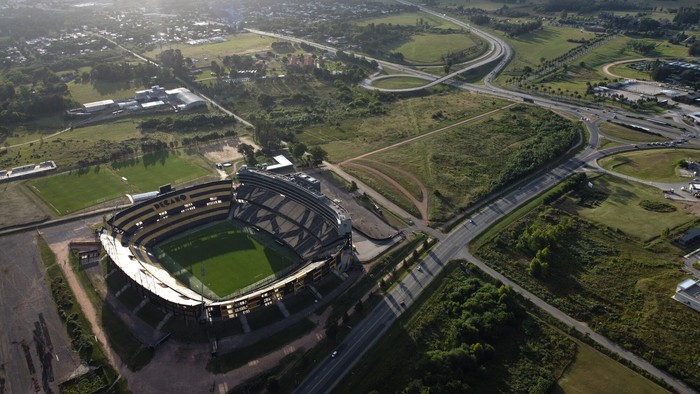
(301, 217)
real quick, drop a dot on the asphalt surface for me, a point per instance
(35, 351)
(330, 371)
(35, 324)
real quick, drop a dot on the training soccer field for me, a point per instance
(231, 255)
(72, 191)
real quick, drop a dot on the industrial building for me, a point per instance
(181, 98)
(688, 293)
(99, 106)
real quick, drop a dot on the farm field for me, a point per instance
(404, 119)
(653, 165)
(234, 44)
(461, 164)
(623, 133)
(79, 189)
(613, 281)
(620, 208)
(230, 256)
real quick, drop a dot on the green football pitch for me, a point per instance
(78, 189)
(230, 255)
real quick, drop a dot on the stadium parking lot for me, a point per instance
(30, 325)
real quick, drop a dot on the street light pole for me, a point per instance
(204, 311)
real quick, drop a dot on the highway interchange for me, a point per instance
(330, 371)
(363, 336)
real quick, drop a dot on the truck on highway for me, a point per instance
(528, 100)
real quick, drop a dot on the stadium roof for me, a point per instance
(155, 279)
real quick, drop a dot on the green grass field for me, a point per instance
(653, 165)
(617, 284)
(410, 19)
(621, 208)
(231, 257)
(400, 83)
(623, 133)
(100, 90)
(548, 43)
(79, 189)
(404, 119)
(234, 44)
(461, 163)
(594, 372)
(75, 190)
(627, 72)
(429, 48)
(148, 172)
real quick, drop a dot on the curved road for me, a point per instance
(364, 335)
(453, 245)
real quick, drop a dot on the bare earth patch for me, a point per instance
(226, 150)
(19, 205)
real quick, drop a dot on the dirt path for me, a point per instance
(416, 138)
(421, 204)
(606, 68)
(418, 204)
(62, 251)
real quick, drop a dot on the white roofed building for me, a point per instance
(187, 99)
(688, 293)
(99, 106)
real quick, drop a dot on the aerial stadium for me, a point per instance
(218, 250)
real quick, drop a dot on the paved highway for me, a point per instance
(364, 335)
(331, 370)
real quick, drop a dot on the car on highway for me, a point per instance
(335, 353)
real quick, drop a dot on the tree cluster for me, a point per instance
(687, 16)
(553, 137)
(587, 6)
(643, 47)
(516, 29)
(474, 316)
(540, 239)
(24, 103)
(124, 71)
(208, 137)
(187, 122)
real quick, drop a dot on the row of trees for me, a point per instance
(122, 71)
(186, 123)
(516, 29)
